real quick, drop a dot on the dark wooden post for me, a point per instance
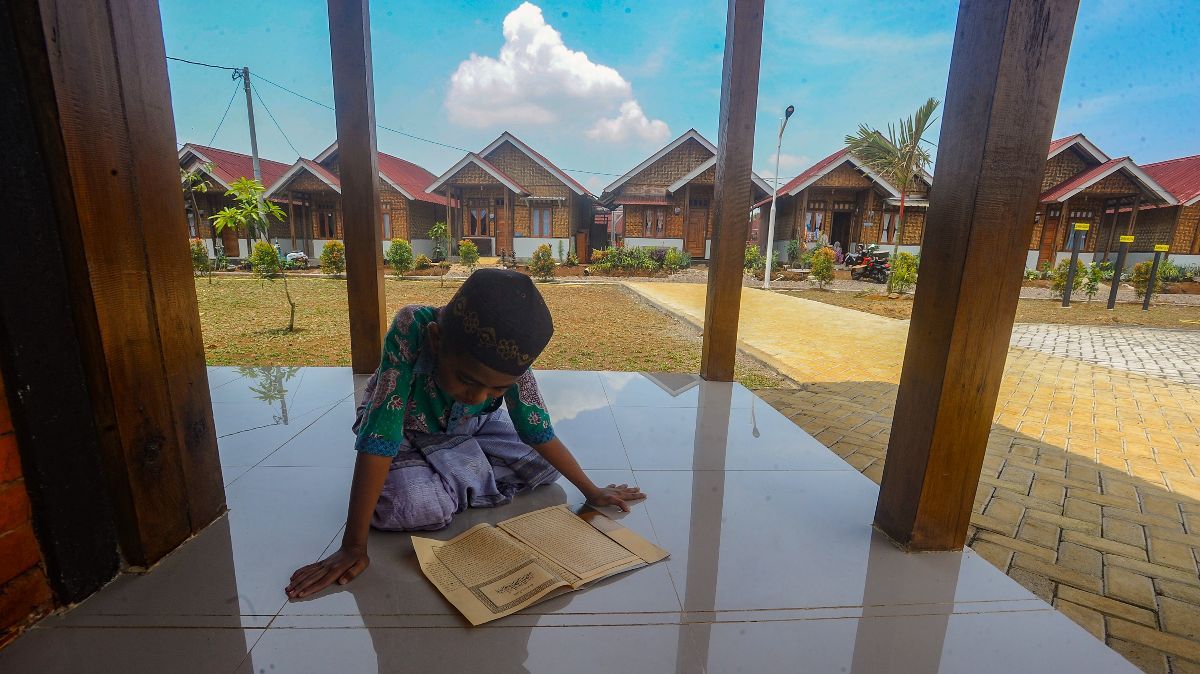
(291, 218)
(1006, 75)
(354, 102)
(732, 193)
(134, 295)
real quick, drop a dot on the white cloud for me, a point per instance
(789, 165)
(537, 80)
(631, 122)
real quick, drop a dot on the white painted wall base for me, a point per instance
(524, 246)
(1185, 260)
(1031, 258)
(708, 249)
(642, 242)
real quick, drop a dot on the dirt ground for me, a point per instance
(1029, 311)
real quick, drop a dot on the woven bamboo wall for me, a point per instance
(541, 183)
(421, 216)
(472, 175)
(1187, 235)
(845, 175)
(394, 205)
(1061, 167)
(1115, 184)
(1153, 226)
(672, 166)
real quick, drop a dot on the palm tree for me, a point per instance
(898, 157)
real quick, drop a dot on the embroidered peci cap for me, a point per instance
(500, 318)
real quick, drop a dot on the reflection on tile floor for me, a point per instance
(774, 565)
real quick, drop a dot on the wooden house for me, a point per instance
(508, 197)
(1082, 184)
(840, 199)
(310, 193)
(1177, 225)
(667, 199)
(220, 168)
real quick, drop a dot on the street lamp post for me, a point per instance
(774, 195)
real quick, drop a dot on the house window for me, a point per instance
(812, 224)
(654, 222)
(192, 224)
(387, 226)
(1070, 244)
(325, 229)
(480, 221)
(886, 233)
(541, 221)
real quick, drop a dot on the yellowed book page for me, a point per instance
(484, 573)
(560, 535)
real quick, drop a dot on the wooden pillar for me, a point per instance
(1137, 202)
(1006, 75)
(354, 103)
(291, 218)
(732, 193)
(109, 104)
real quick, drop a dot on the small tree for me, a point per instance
(822, 267)
(333, 258)
(754, 260)
(1058, 279)
(468, 253)
(904, 272)
(192, 182)
(400, 256)
(441, 241)
(250, 212)
(1093, 279)
(560, 251)
(793, 251)
(542, 263)
(200, 262)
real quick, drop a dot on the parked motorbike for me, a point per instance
(856, 256)
(875, 268)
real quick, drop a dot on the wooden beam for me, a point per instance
(135, 286)
(732, 193)
(354, 103)
(291, 218)
(1006, 74)
(1133, 211)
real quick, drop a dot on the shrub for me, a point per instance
(822, 266)
(423, 262)
(399, 256)
(200, 261)
(1044, 271)
(1140, 278)
(333, 258)
(542, 263)
(674, 260)
(793, 251)
(598, 257)
(1168, 271)
(904, 272)
(754, 258)
(468, 253)
(264, 259)
(806, 257)
(572, 260)
(641, 258)
(441, 240)
(659, 254)
(1093, 279)
(1058, 279)
(1032, 275)
(444, 264)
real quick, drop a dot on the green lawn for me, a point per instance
(597, 327)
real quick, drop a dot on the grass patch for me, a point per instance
(1030, 311)
(597, 327)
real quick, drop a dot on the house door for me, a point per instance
(1049, 237)
(839, 231)
(697, 223)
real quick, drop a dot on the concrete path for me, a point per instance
(1090, 490)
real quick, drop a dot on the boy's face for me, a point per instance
(462, 376)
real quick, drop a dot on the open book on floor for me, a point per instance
(488, 572)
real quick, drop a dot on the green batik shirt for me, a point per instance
(404, 396)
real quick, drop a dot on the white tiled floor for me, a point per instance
(774, 564)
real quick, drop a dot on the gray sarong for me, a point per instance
(480, 463)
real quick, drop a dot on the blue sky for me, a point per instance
(598, 85)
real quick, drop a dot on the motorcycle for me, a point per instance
(875, 268)
(856, 256)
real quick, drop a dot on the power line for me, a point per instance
(275, 121)
(197, 63)
(223, 116)
(377, 125)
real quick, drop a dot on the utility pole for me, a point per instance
(253, 145)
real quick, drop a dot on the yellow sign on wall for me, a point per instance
(1161, 247)
(1126, 238)
(1082, 226)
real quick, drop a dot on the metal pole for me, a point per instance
(1153, 278)
(253, 144)
(1120, 266)
(774, 195)
(1075, 239)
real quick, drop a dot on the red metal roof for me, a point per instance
(815, 169)
(229, 166)
(1180, 177)
(409, 176)
(322, 172)
(1056, 145)
(1083, 179)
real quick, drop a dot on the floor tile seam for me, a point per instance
(613, 415)
(251, 648)
(285, 442)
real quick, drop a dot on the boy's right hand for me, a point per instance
(340, 567)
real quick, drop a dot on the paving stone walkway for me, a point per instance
(1090, 492)
(1169, 354)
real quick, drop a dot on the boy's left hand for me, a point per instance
(618, 495)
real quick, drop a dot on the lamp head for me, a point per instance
(788, 113)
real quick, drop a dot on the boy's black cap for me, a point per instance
(500, 318)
